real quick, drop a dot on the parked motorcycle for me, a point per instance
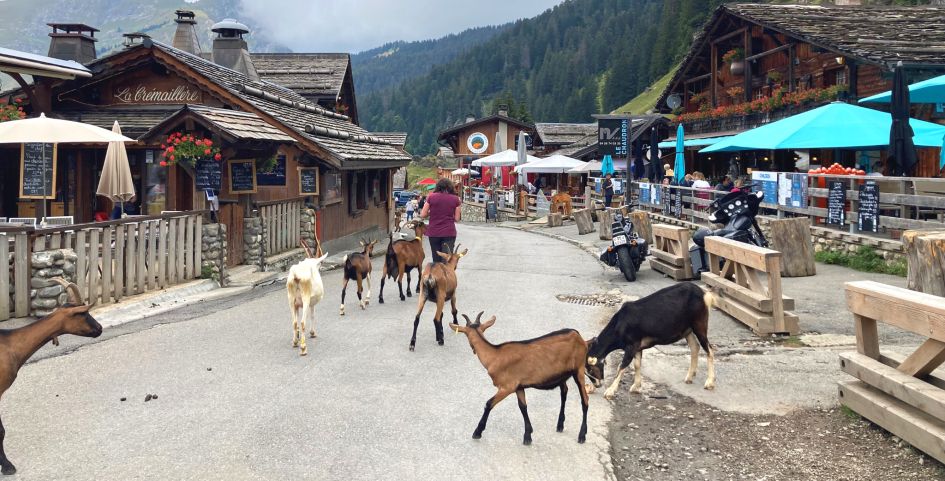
(627, 249)
(736, 211)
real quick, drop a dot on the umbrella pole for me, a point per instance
(43, 210)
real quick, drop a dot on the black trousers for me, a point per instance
(608, 198)
(441, 244)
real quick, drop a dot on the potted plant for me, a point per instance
(12, 111)
(187, 150)
(266, 165)
(735, 93)
(735, 58)
(774, 78)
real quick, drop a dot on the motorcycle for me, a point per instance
(627, 250)
(736, 211)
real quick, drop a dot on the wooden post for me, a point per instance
(606, 218)
(792, 238)
(584, 222)
(555, 219)
(642, 226)
(925, 252)
(714, 71)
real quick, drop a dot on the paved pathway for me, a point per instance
(360, 406)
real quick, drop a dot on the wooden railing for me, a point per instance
(14, 273)
(479, 195)
(114, 259)
(282, 220)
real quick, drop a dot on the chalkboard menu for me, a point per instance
(677, 204)
(243, 176)
(665, 199)
(836, 199)
(274, 177)
(492, 212)
(208, 175)
(308, 180)
(38, 171)
(868, 212)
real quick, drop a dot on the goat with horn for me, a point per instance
(18, 345)
(439, 285)
(357, 266)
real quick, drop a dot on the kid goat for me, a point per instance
(17, 345)
(545, 362)
(439, 285)
(305, 289)
(358, 266)
(402, 257)
(664, 317)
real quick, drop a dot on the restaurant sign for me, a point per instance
(144, 94)
(612, 137)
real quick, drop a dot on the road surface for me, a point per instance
(235, 401)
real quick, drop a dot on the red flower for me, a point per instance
(163, 146)
(170, 149)
(217, 157)
(206, 152)
(17, 100)
(172, 158)
(208, 142)
(163, 164)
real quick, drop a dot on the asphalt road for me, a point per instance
(235, 401)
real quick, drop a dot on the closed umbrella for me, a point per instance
(607, 165)
(654, 172)
(679, 169)
(522, 155)
(116, 182)
(902, 156)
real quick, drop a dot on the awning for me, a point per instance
(14, 61)
(687, 142)
(555, 164)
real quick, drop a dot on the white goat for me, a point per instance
(305, 289)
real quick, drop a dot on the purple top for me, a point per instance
(442, 214)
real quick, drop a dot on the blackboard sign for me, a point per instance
(274, 177)
(836, 199)
(868, 212)
(38, 171)
(308, 180)
(665, 199)
(243, 176)
(492, 212)
(208, 175)
(677, 204)
(612, 135)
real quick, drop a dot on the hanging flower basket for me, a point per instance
(187, 150)
(736, 60)
(12, 111)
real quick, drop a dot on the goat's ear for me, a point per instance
(322, 258)
(457, 328)
(445, 257)
(463, 254)
(488, 324)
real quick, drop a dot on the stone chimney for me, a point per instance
(185, 38)
(229, 48)
(504, 110)
(72, 41)
(470, 118)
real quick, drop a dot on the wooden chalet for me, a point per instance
(322, 78)
(476, 138)
(154, 90)
(755, 63)
(554, 136)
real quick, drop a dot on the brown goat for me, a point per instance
(439, 285)
(18, 345)
(358, 266)
(546, 362)
(402, 257)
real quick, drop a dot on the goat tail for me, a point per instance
(711, 300)
(430, 283)
(344, 260)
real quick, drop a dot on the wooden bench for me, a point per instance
(670, 251)
(900, 394)
(749, 286)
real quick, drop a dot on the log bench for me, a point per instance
(670, 251)
(748, 286)
(898, 393)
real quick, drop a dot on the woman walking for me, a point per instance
(443, 209)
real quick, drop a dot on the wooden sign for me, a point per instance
(208, 175)
(836, 200)
(868, 211)
(242, 176)
(677, 204)
(38, 171)
(665, 199)
(178, 92)
(308, 180)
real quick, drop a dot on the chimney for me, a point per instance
(185, 38)
(134, 38)
(229, 48)
(504, 110)
(470, 118)
(72, 41)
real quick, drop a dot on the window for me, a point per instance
(331, 189)
(357, 192)
(837, 76)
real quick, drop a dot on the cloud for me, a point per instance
(356, 25)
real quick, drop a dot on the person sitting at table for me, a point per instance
(129, 208)
(100, 215)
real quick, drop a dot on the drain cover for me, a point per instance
(602, 300)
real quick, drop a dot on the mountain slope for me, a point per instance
(392, 63)
(579, 58)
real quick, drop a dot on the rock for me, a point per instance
(39, 282)
(51, 291)
(148, 398)
(45, 303)
(43, 259)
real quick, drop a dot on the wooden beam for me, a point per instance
(749, 58)
(715, 73)
(696, 79)
(867, 336)
(747, 73)
(729, 35)
(920, 313)
(792, 54)
(925, 359)
(917, 393)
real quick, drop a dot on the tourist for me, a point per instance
(687, 180)
(726, 185)
(422, 202)
(122, 209)
(668, 176)
(411, 207)
(443, 209)
(699, 181)
(608, 187)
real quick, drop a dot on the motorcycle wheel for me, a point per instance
(626, 265)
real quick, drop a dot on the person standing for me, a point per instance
(608, 190)
(411, 207)
(443, 209)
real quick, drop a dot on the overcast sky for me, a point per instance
(356, 25)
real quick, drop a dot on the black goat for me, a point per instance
(664, 317)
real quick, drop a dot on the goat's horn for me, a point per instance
(479, 316)
(75, 297)
(468, 322)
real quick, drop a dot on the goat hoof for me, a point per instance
(8, 470)
(402, 297)
(709, 386)
(312, 335)
(440, 342)
(380, 301)
(303, 352)
(477, 435)
(411, 348)
(636, 389)
(581, 439)
(560, 429)
(409, 294)
(527, 441)
(688, 381)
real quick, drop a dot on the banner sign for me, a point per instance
(613, 137)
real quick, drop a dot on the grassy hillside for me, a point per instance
(647, 99)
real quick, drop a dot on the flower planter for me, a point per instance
(737, 67)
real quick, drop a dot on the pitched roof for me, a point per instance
(395, 138)
(491, 118)
(578, 145)
(320, 74)
(134, 122)
(236, 124)
(564, 133)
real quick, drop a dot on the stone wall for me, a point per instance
(46, 294)
(253, 246)
(213, 250)
(308, 226)
(475, 212)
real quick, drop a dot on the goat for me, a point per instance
(439, 285)
(545, 363)
(358, 266)
(305, 289)
(664, 317)
(17, 345)
(402, 257)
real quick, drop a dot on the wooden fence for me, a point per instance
(901, 394)
(14, 273)
(114, 259)
(479, 195)
(282, 220)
